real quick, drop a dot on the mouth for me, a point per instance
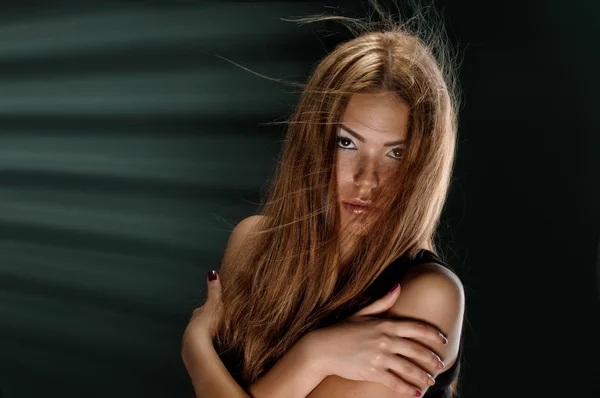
(358, 207)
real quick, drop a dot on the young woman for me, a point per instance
(353, 210)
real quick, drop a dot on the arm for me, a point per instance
(432, 294)
(210, 377)
(207, 372)
(296, 374)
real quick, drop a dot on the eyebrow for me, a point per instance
(362, 139)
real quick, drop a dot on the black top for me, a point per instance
(392, 274)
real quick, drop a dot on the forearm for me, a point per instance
(211, 378)
(295, 375)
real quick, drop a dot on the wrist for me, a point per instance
(197, 348)
(314, 354)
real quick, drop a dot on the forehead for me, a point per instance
(374, 115)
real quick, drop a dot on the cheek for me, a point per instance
(344, 173)
(387, 173)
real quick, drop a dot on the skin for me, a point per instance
(431, 294)
(369, 147)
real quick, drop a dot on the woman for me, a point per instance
(352, 211)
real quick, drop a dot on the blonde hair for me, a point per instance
(287, 276)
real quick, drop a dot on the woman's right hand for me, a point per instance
(366, 348)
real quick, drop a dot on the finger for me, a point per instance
(395, 383)
(413, 330)
(383, 304)
(425, 358)
(409, 372)
(214, 288)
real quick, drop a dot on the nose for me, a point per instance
(366, 177)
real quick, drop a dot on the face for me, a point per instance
(370, 143)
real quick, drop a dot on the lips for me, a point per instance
(358, 206)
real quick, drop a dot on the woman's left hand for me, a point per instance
(201, 328)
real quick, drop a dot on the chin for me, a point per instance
(356, 231)
(355, 227)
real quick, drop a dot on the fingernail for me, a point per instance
(394, 287)
(212, 275)
(418, 393)
(441, 365)
(444, 339)
(431, 381)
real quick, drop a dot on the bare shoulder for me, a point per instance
(433, 294)
(239, 234)
(435, 283)
(244, 227)
(430, 293)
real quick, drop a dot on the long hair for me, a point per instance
(287, 276)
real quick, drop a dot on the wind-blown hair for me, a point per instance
(287, 275)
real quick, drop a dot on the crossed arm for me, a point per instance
(430, 293)
(296, 371)
(294, 375)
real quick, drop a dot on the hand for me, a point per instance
(201, 329)
(365, 348)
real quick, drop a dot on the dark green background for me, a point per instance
(128, 152)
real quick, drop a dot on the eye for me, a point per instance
(345, 143)
(396, 153)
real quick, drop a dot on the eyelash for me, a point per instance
(341, 137)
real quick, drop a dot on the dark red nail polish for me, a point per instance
(212, 275)
(395, 287)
